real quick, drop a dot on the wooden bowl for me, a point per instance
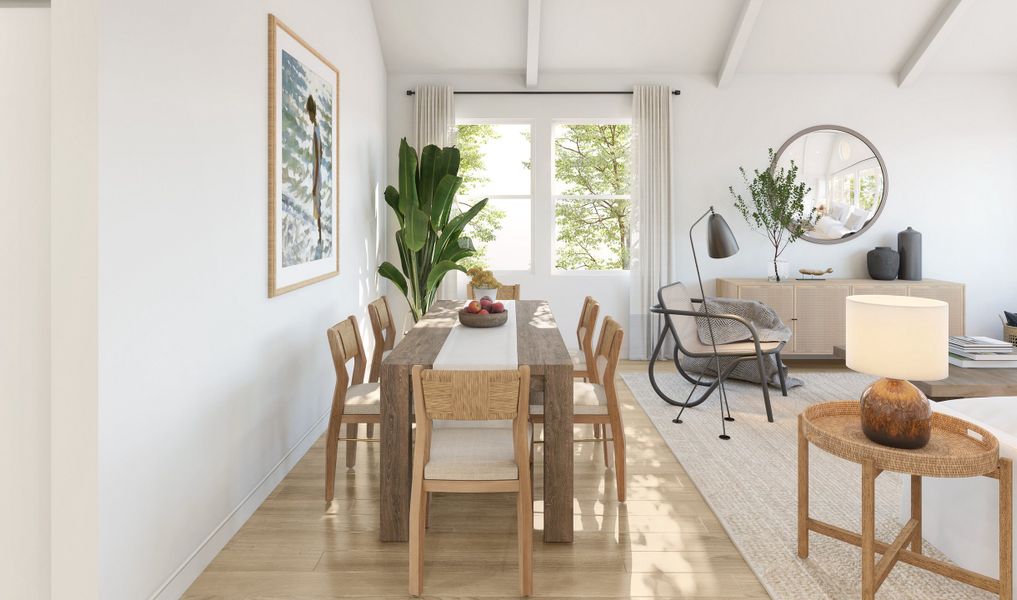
(469, 319)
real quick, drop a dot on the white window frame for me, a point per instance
(555, 197)
(533, 186)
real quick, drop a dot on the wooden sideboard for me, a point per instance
(815, 309)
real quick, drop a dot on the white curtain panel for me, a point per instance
(434, 122)
(654, 259)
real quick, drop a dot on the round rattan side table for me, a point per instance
(957, 449)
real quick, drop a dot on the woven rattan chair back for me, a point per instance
(676, 297)
(383, 328)
(606, 356)
(585, 330)
(344, 340)
(470, 395)
(505, 292)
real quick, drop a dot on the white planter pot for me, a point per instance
(479, 293)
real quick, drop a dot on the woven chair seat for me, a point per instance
(471, 454)
(578, 360)
(363, 399)
(588, 399)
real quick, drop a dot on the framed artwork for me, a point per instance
(303, 162)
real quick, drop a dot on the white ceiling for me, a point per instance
(692, 36)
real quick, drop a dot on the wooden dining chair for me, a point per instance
(505, 292)
(597, 403)
(384, 331)
(584, 333)
(584, 355)
(353, 401)
(471, 459)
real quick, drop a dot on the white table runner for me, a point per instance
(481, 349)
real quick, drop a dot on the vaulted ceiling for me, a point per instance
(904, 38)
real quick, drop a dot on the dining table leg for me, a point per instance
(558, 453)
(396, 453)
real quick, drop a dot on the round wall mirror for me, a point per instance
(847, 178)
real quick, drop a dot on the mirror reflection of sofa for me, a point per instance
(840, 220)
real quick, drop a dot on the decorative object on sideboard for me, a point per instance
(775, 209)
(883, 263)
(848, 176)
(909, 246)
(430, 237)
(814, 274)
(1009, 326)
(897, 338)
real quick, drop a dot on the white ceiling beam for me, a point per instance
(740, 37)
(933, 37)
(532, 42)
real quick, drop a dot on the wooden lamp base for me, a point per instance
(895, 413)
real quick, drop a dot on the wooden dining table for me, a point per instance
(541, 347)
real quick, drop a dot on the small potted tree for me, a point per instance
(775, 208)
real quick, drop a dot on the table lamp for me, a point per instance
(898, 338)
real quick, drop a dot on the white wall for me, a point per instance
(74, 283)
(949, 142)
(210, 390)
(24, 302)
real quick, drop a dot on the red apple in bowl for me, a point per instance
(488, 298)
(497, 307)
(483, 311)
(473, 307)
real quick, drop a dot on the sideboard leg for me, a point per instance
(868, 530)
(1005, 529)
(803, 492)
(916, 512)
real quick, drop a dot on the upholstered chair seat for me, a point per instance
(472, 454)
(363, 399)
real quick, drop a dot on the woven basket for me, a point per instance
(469, 319)
(1010, 334)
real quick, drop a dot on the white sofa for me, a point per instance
(961, 516)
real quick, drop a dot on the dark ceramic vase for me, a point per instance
(883, 263)
(909, 245)
(895, 413)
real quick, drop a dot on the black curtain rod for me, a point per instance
(538, 92)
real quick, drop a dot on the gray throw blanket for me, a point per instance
(768, 325)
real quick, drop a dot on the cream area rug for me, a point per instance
(750, 483)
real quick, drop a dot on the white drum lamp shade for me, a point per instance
(898, 337)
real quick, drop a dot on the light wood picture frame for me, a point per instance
(303, 162)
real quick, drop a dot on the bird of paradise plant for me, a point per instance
(429, 239)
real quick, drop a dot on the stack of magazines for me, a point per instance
(972, 352)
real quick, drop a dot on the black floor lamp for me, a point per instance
(720, 243)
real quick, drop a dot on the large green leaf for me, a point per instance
(416, 229)
(392, 199)
(407, 178)
(429, 175)
(390, 272)
(458, 249)
(439, 271)
(444, 195)
(456, 225)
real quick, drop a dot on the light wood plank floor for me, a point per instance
(665, 542)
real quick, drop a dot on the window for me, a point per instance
(495, 164)
(592, 202)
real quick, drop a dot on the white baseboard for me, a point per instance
(184, 575)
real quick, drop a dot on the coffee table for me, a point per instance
(956, 449)
(964, 383)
